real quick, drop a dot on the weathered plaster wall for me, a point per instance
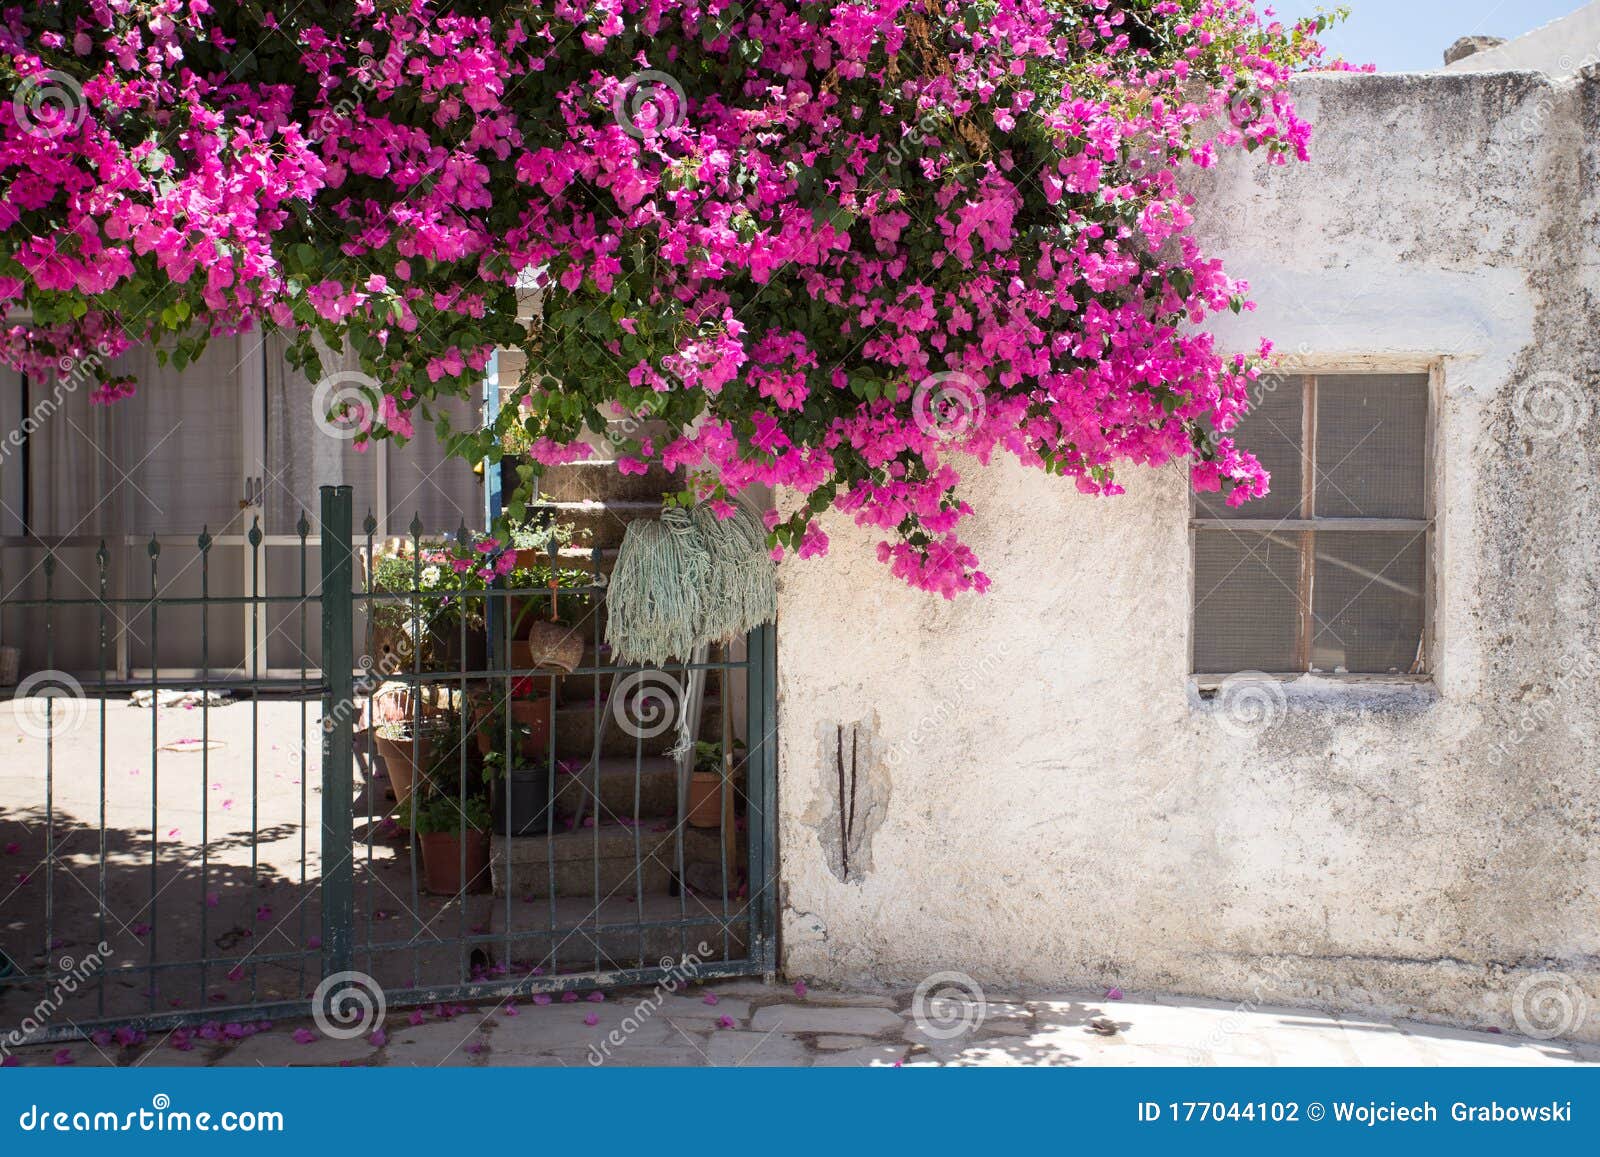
(1055, 804)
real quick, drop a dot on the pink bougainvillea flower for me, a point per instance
(477, 1048)
(725, 1022)
(236, 973)
(64, 1057)
(264, 913)
(592, 1019)
(569, 998)
(710, 998)
(378, 1037)
(141, 929)
(512, 1010)
(101, 1037)
(10, 1061)
(541, 998)
(304, 1036)
(415, 1017)
(1113, 993)
(800, 988)
(313, 941)
(13, 848)
(597, 996)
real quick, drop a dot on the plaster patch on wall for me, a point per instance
(853, 796)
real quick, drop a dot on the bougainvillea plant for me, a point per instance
(837, 248)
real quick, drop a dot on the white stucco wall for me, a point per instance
(1043, 797)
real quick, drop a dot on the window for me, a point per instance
(1329, 572)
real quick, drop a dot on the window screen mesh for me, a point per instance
(1271, 431)
(1371, 431)
(1246, 599)
(1364, 590)
(1368, 601)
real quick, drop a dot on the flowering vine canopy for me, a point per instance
(834, 247)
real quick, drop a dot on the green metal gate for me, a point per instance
(178, 870)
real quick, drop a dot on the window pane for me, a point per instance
(1271, 431)
(1368, 601)
(1246, 610)
(1371, 438)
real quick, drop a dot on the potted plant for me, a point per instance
(451, 831)
(525, 713)
(423, 628)
(710, 786)
(519, 794)
(410, 748)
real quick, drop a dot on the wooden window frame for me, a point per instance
(1306, 526)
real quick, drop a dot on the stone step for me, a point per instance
(575, 724)
(609, 936)
(603, 523)
(599, 479)
(619, 860)
(654, 796)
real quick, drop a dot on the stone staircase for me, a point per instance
(633, 848)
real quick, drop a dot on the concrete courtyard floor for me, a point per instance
(754, 1024)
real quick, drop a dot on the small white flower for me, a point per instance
(430, 577)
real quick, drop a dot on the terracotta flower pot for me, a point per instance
(441, 862)
(706, 802)
(401, 759)
(530, 714)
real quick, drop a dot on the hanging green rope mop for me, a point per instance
(741, 592)
(687, 580)
(656, 595)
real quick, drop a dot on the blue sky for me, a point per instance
(1411, 35)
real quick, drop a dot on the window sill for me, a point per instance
(1278, 694)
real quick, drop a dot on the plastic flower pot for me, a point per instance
(520, 802)
(441, 862)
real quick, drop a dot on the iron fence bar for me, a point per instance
(205, 757)
(101, 559)
(369, 528)
(419, 753)
(304, 529)
(255, 734)
(338, 901)
(154, 550)
(49, 771)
